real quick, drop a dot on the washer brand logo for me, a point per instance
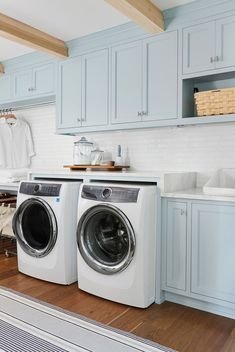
(57, 200)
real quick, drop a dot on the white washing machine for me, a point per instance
(116, 239)
(45, 225)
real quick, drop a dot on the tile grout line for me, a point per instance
(118, 316)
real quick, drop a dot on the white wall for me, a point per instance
(198, 148)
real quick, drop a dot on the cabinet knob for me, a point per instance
(140, 113)
(211, 59)
(78, 119)
(217, 58)
(144, 113)
(183, 212)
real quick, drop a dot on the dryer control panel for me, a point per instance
(40, 189)
(110, 194)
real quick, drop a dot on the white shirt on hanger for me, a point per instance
(16, 144)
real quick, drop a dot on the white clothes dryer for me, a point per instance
(116, 239)
(45, 228)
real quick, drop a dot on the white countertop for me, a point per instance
(9, 187)
(67, 173)
(172, 184)
(196, 194)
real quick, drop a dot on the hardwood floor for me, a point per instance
(181, 328)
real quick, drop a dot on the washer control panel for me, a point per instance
(110, 194)
(40, 189)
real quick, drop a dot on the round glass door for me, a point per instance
(106, 239)
(35, 227)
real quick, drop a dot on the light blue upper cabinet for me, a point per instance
(126, 86)
(35, 81)
(69, 114)
(213, 244)
(208, 46)
(225, 49)
(44, 79)
(175, 238)
(160, 77)
(23, 84)
(5, 88)
(199, 48)
(95, 88)
(82, 98)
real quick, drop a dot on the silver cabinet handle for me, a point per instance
(31, 89)
(139, 113)
(183, 212)
(217, 58)
(78, 119)
(144, 113)
(211, 59)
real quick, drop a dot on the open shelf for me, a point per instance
(205, 83)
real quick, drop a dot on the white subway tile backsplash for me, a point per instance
(203, 148)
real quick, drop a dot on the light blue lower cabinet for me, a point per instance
(198, 251)
(175, 245)
(213, 251)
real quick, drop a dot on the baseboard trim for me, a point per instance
(227, 312)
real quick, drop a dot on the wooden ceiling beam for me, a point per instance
(1, 69)
(22, 33)
(143, 12)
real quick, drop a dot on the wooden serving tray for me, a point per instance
(96, 167)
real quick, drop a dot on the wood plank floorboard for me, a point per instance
(181, 328)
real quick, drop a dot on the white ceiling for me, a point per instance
(65, 19)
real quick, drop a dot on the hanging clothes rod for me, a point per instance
(26, 107)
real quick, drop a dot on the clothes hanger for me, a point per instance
(7, 114)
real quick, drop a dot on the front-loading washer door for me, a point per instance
(35, 227)
(106, 239)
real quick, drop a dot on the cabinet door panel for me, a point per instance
(160, 77)
(199, 48)
(70, 93)
(176, 245)
(23, 84)
(44, 79)
(127, 83)
(95, 89)
(225, 30)
(5, 88)
(213, 244)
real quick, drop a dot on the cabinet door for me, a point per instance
(70, 94)
(199, 48)
(23, 84)
(126, 104)
(5, 88)
(213, 246)
(44, 79)
(95, 88)
(176, 245)
(225, 50)
(160, 77)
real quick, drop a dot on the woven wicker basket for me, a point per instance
(215, 102)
